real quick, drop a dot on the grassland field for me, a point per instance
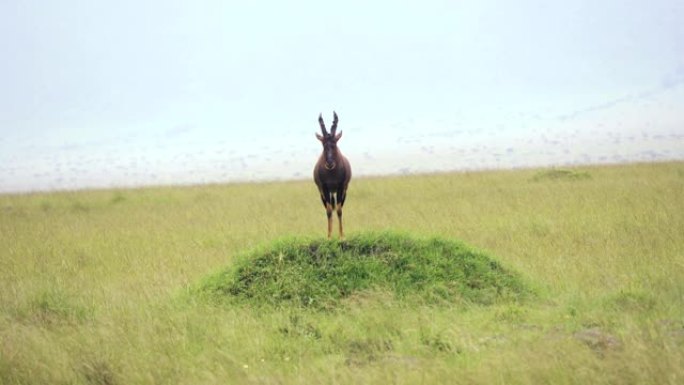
(94, 284)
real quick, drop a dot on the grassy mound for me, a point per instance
(319, 273)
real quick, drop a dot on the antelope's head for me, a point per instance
(329, 141)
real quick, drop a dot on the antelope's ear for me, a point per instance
(319, 136)
(338, 136)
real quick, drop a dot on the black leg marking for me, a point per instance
(325, 196)
(342, 195)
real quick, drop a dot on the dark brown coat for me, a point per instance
(332, 173)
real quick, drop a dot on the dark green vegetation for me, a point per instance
(318, 273)
(560, 174)
(94, 284)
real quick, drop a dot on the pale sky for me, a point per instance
(127, 93)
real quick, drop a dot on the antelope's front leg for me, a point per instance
(325, 198)
(340, 202)
(328, 211)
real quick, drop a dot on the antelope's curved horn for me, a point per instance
(320, 121)
(334, 124)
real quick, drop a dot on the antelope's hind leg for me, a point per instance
(329, 203)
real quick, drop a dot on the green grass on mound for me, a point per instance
(319, 273)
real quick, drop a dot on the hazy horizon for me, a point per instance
(130, 94)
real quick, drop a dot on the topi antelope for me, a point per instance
(332, 173)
